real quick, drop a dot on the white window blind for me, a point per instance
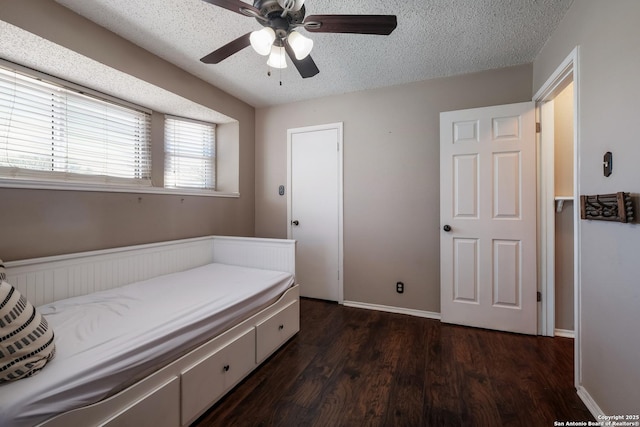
(48, 132)
(190, 154)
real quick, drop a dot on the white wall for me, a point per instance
(608, 36)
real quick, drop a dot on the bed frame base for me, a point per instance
(178, 393)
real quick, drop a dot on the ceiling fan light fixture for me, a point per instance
(277, 58)
(300, 44)
(278, 39)
(262, 40)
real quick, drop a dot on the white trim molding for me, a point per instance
(104, 188)
(565, 333)
(391, 309)
(591, 404)
(546, 217)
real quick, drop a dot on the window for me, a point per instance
(189, 154)
(49, 132)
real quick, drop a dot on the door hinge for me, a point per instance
(539, 296)
(538, 127)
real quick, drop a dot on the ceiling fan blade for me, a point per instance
(306, 66)
(234, 6)
(227, 50)
(355, 24)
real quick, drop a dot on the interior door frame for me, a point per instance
(567, 71)
(340, 154)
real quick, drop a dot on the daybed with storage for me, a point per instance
(152, 335)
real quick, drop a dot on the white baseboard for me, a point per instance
(390, 309)
(591, 404)
(566, 333)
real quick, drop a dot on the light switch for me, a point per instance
(607, 163)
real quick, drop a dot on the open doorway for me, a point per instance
(557, 109)
(557, 203)
(565, 206)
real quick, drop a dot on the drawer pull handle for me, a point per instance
(225, 368)
(281, 327)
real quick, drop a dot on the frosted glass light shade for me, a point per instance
(262, 40)
(300, 44)
(277, 58)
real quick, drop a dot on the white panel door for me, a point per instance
(488, 218)
(315, 206)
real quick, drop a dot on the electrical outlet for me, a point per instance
(399, 287)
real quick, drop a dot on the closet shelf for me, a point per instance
(560, 202)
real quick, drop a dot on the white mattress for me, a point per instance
(107, 339)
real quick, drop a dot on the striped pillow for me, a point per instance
(26, 341)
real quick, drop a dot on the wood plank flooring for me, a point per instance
(355, 367)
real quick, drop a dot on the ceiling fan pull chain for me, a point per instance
(280, 77)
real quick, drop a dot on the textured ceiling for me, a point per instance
(28, 50)
(434, 38)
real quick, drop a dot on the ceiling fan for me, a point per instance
(281, 20)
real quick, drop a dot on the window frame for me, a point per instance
(213, 158)
(48, 184)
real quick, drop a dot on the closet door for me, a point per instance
(315, 209)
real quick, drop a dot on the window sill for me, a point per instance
(76, 186)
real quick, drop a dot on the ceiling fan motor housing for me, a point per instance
(272, 10)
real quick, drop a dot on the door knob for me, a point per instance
(447, 228)
(295, 222)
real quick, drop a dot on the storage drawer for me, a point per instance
(160, 408)
(206, 381)
(275, 330)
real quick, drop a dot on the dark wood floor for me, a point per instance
(354, 367)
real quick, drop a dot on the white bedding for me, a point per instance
(106, 340)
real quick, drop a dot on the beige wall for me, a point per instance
(391, 177)
(564, 276)
(563, 142)
(38, 223)
(607, 33)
